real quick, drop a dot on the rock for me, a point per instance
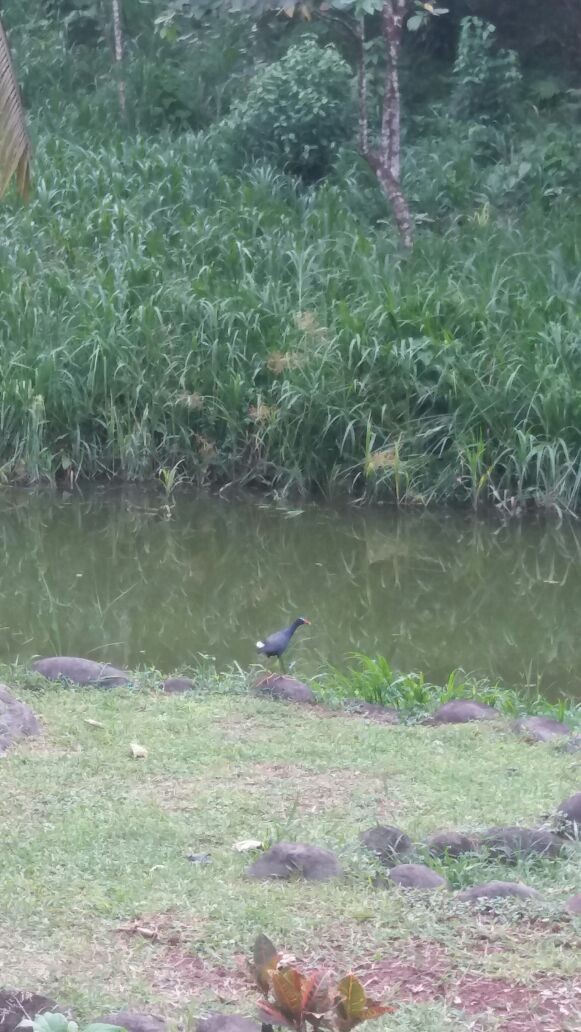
(417, 876)
(572, 744)
(279, 686)
(573, 905)
(177, 685)
(81, 671)
(287, 859)
(569, 815)
(540, 729)
(227, 1023)
(498, 890)
(372, 710)
(512, 844)
(387, 842)
(133, 1021)
(16, 1005)
(451, 843)
(16, 719)
(460, 711)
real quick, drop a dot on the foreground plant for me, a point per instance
(59, 1023)
(300, 999)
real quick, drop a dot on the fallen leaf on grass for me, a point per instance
(137, 752)
(93, 723)
(247, 845)
(137, 929)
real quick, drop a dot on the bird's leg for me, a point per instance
(282, 666)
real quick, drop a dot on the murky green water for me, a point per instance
(103, 574)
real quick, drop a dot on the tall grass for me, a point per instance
(372, 679)
(157, 310)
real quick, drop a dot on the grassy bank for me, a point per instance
(159, 310)
(372, 679)
(95, 846)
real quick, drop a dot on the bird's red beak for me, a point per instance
(307, 621)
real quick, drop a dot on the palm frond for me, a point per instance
(15, 150)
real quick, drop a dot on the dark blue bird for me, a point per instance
(279, 642)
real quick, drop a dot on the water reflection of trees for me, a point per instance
(432, 591)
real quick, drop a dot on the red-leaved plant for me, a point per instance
(297, 999)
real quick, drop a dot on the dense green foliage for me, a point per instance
(170, 297)
(297, 111)
(486, 77)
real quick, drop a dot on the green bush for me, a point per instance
(186, 84)
(171, 84)
(486, 79)
(546, 166)
(298, 111)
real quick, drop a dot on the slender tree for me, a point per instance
(385, 157)
(382, 150)
(15, 149)
(118, 51)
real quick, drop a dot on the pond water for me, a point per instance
(102, 573)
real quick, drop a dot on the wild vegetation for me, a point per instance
(209, 281)
(372, 679)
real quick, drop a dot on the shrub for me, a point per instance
(51, 1022)
(189, 83)
(546, 166)
(486, 78)
(298, 111)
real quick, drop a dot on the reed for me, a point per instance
(160, 308)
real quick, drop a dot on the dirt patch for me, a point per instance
(174, 968)
(181, 975)
(551, 1005)
(416, 972)
(424, 974)
(313, 791)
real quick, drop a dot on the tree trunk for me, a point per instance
(393, 191)
(385, 161)
(362, 92)
(118, 49)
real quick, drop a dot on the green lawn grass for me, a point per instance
(95, 842)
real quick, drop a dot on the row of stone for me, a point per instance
(390, 845)
(16, 1004)
(457, 711)
(87, 672)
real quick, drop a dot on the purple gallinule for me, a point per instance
(279, 642)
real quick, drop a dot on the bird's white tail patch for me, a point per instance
(259, 644)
